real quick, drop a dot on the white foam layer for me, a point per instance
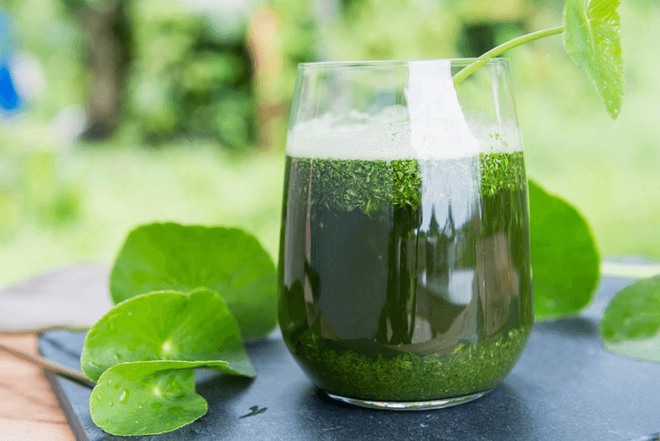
(432, 126)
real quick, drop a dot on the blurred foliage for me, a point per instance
(409, 29)
(191, 75)
(297, 40)
(33, 191)
(403, 29)
(191, 70)
(187, 77)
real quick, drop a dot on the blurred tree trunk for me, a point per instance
(267, 66)
(264, 35)
(108, 55)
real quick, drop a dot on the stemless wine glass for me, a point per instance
(404, 269)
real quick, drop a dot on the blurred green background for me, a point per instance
(143, 110)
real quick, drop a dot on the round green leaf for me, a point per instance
(631, 323)
(147, 398)
(230, 261)
(169, 325)
(565, 258)
(593, 41)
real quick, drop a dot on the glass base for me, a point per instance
(408, 405)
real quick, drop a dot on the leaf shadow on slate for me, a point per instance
(221, 392)
(580, 328)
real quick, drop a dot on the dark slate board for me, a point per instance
(565, 387)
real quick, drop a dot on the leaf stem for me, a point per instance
(499, 50)
(48, 365)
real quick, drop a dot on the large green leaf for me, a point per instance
(194, 327)
(230, 261)
(565, 258)
(593, 41)
(631, 323)
(148, 397)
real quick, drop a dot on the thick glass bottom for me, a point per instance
(408, 405)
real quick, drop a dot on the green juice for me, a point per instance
(405, 280)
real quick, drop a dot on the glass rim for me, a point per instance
(458, 62)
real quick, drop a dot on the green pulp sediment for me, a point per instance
(408, 376)
(368, 186)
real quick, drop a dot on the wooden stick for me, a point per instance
(48, 365)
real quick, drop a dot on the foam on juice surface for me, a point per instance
(431, 126)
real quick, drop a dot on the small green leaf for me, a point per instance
(565, 258)
(230, 261)
(593, 41)
(631, 323)
(195, 327)
(148, 397)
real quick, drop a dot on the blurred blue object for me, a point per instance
(10, 101)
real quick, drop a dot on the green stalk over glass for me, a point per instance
(502, 48)
(592, 40)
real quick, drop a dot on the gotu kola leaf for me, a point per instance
(565, 258)
(230, 261)
(631, 323)
(593, 41)
(194, 327)
(148, 397)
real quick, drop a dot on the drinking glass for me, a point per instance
(404, 266)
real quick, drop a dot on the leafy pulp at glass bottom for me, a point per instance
(406, 376)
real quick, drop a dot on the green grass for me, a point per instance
(114, 190)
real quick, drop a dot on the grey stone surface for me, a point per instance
(565, 387)
(72, 297)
